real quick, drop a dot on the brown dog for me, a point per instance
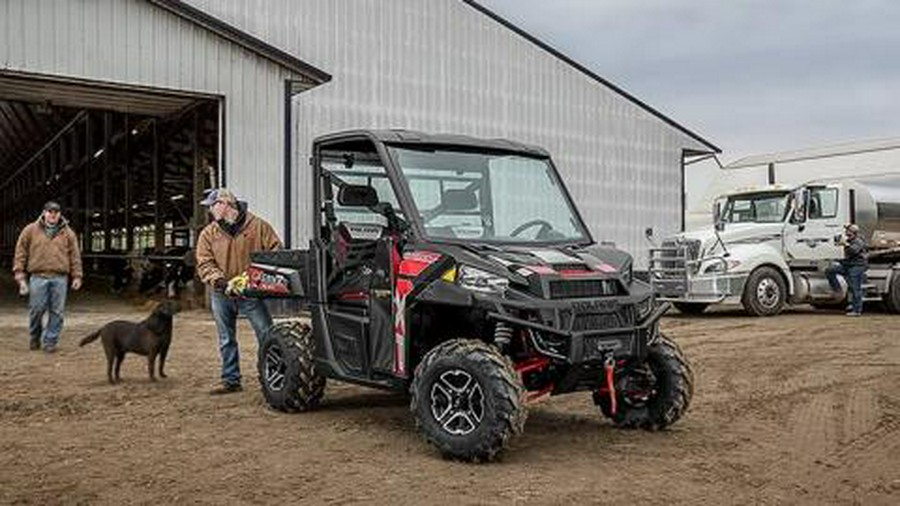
(150, 338)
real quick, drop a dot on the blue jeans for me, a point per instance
(46, 293)
(855, 275)
(225, 311)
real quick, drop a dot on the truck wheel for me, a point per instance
(765, 292)
(654, 396)
(691, 307)
(467, 400)
(892, 297)
(287, 368)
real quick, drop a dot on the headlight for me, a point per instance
(720, 266)
(478, 280)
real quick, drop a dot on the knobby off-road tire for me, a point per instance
(765, 292)
(467, 400)
(287, 368)
(691, 307)
(669, 398)
(892, 297)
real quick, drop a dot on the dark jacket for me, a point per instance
(856, 252)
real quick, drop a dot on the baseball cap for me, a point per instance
(219, 195)
(51, 205)
(852, 227)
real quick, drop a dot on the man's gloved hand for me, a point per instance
(236, 285)
(220, 285)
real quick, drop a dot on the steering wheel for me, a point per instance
(544, 224)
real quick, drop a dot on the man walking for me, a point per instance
(223, 252)
(852, 267)
(46, 257)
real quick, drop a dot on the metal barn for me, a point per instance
(127, 109)
(454, 66)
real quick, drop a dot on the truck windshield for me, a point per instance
(491, 197)
(756, 208)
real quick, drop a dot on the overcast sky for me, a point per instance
(750, 76)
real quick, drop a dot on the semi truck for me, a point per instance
(770, 246)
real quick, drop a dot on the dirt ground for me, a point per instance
(799, 409)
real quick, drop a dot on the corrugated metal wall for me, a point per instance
(440, 65)
(135, 43)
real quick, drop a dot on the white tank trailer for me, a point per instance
(770, 247)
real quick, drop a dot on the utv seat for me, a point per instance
(351, 247)
(353, 259)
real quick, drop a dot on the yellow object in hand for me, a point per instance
(237, 284)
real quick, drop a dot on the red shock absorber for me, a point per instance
(609, 365)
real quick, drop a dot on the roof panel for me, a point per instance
(847, 148)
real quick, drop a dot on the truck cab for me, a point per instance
(770, 247)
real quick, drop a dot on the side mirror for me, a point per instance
(648, 233)
(357, 196)
(720, 226)
(459, 200)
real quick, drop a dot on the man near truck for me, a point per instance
(223, 252)
(852, 267)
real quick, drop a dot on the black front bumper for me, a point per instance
(554, 336)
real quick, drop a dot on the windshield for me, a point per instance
(493, 197)
(756, 208)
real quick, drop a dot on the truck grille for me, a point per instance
(671, 264)
(582, 288)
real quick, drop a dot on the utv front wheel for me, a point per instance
(287, 370)
(654, 395)
(467, 400)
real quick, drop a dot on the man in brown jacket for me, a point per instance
(223, 252)
(46, 256)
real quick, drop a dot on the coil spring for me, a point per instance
(503, 334)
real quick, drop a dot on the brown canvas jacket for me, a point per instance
(38, 254)
(219, 255)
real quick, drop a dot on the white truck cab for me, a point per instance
(770, 247)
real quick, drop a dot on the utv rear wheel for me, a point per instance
(765, 292)
(691, 307)
(287, 370)
(467, 400)
(655, 396)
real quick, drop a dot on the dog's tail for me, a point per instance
(90, 338)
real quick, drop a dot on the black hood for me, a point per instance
(520, 261)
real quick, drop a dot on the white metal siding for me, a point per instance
(442, 66)
(135, 43)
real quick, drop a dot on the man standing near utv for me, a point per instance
(852, 267)
(223, 252)
(46, 257)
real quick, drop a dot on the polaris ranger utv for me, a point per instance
(459, 270)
